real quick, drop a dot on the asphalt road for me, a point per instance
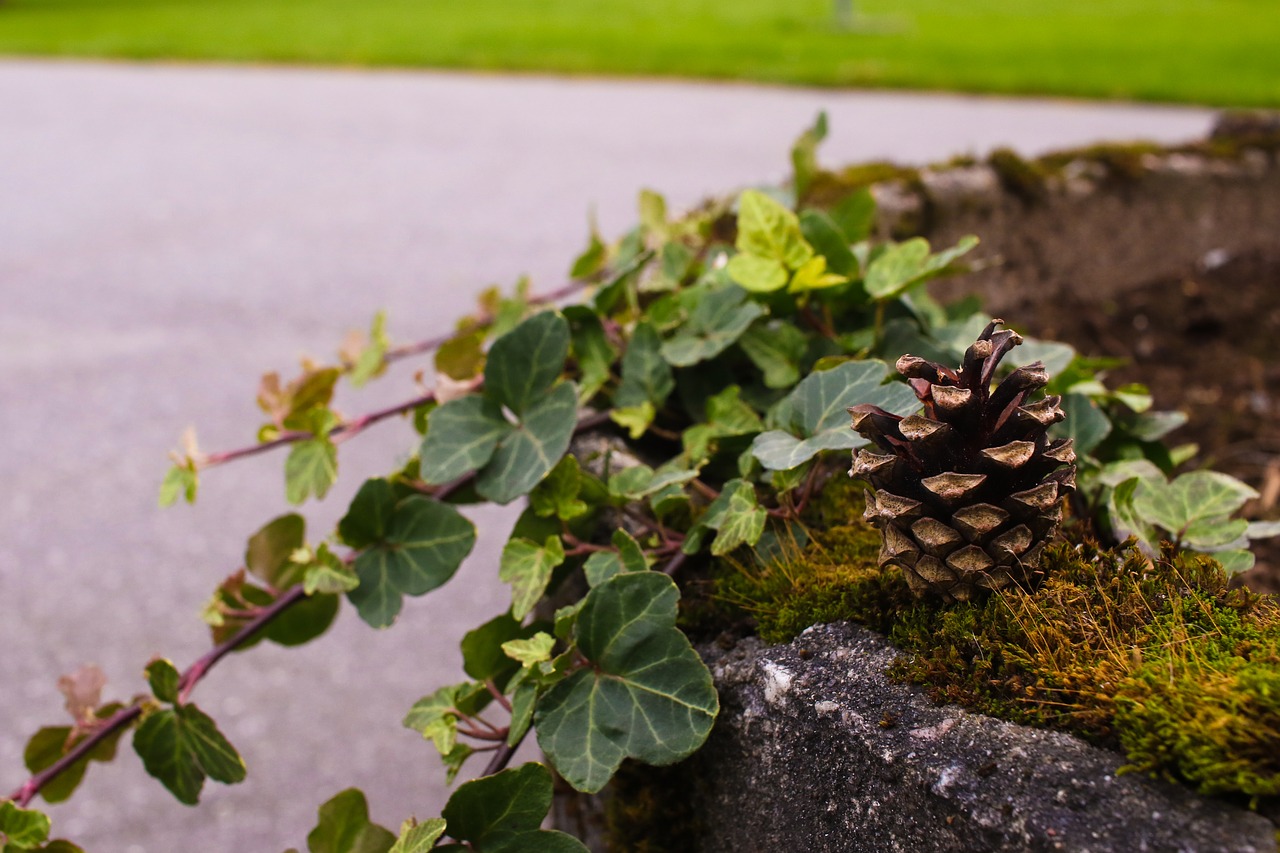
(168, 233)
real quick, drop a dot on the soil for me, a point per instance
(1207, 343)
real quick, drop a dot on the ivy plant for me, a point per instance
(683, 409)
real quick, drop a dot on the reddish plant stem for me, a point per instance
(502, 757)
(120, 719)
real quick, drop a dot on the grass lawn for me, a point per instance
(1223, 52)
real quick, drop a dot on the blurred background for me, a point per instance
(195, 193)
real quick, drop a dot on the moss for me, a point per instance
(1159, 658)
(1025, 179)
(1123, 162)
(649, 810)
(829, 188)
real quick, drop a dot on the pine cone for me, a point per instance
(968, 492)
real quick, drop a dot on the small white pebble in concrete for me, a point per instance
(826, 707)
(934, 732)
(777, 681)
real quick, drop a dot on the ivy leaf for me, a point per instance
(901, 265)
(461, 437)
(592, 259)
(804, 155)
(461, 357)
(418, 837)
(757, 274)
(646, 375)
(647, 694)
(557, 495)
(817, 417)
(482, 655)
(769, 230)
(1263, 529)
(813, 275)
(180, 481)
(855, 215)
(523, 702)
(634, 419)
(23, 828)
(1235, 560)
(50, 743)
(181, 746)
(527, 566)
(344, 827)
(328, 574)
(310, 469)
(737, 517)
(423, 544)
(163, 678)
(1085, 423)
(1191, 501)
(503, 813)
(269, 552)
(372, 356)
(524, 363)
(436, 717)
(727, 416)
(592, 350)
(778, 350)
(825, 236)
(528, 652)
(719, 317)
(531, 450)
(1209, 534)
(653, 213)
(629, 557)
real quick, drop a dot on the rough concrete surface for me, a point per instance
(168, 233)
(816, 750)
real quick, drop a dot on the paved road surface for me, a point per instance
(168, 233)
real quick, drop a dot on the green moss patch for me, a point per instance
(1161, 658)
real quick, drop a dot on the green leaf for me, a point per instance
(424, 543)
(592, 259)
(524, 363)
(898, 267)
(268, 554)
(419, 837)
(436, 717)
(532, 449)
(826, 238)
(1235, 560)
(528, 652)
(454, 760)
(1135, 396)
(1208, 534)
(307, 619)
(557, 495)
(813, 275)
(816, 412)
(646, 375)
(527, 566)
(310, 469)
(804, 155)
(591, 349)
(634, 419)
(769, 230)
(856, 215)
(462, 436)
(372, 358)
(727, 416)
(180, 480)
(778, 350)
(344, 827)
(462, 356)
(737, 516)
(328, 574)
(1263, 529)
(50, 743)
(523, 702)
(629, 557)
(653, 213)
(1085, 423)
(719, 317)
(482, 655)
(757, 274)
(1190, 501)
(181, 746)
(368, 515)
(647, 694)
(503, 813)
(23, 828)
(163, 678)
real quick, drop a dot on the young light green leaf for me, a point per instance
(454, 760)
(629, 557)
(737, 517)
(527, 566)
(813, 275)
(344, 827)
(757, 274)
(1210, 534)
(436, 717)
(327, 574)
(424, 543)
(310, 469)
(418, 837)
(503, 813)
(898, 267)
(536, 649)
(646, 376)
(634, 419)
(727, 416)
(557, 495)
(593, 257)
(646, 695)
(719, 317)
(22, 828)
(591, 349)
(180, 481)
(530, 451)
(181, 746)
(268, 553)
(482, 655)
(653, 213)
(372, 357)
(826, 238)
(524, 363)
(163, 678)
(1235, 560)
(769, 230)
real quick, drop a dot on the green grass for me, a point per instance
(1222, 52)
